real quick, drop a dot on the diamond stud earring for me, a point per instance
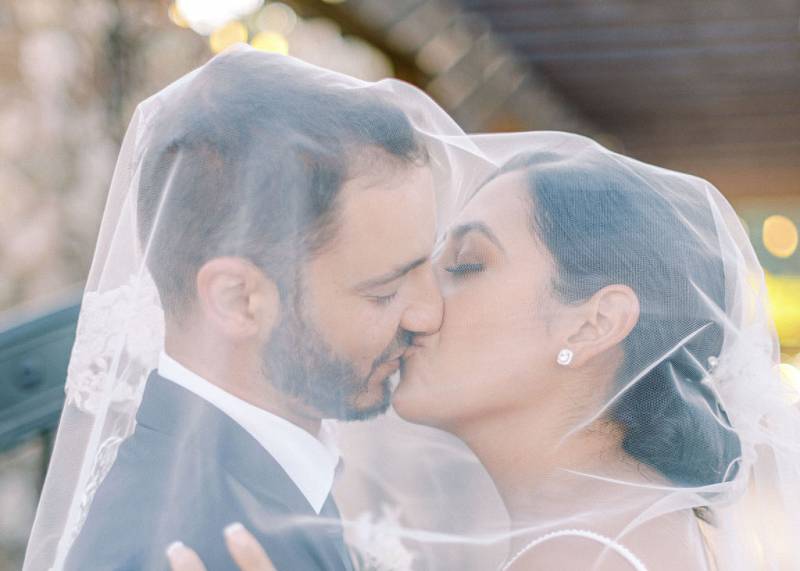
(565, 357)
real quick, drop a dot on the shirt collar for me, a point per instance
(310, 462)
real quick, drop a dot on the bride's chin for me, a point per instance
(413, 402)
(409, 401)
(402, 402)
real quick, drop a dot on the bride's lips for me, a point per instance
(386, 369)
(417, 346)
(410, 353)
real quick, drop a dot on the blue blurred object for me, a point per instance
(34, 354)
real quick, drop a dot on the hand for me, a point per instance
(243, 547)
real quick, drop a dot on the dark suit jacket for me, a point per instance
(187, 472)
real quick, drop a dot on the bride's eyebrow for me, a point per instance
(462, 230)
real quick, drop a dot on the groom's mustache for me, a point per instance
(395, 350)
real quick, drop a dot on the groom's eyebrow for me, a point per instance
(388, 277)
(463, 229)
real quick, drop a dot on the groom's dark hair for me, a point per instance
(246, 158)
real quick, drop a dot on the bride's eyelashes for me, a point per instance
(466, 260)
(465, 269)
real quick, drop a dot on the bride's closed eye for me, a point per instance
(466, 261)
(464, 268)
(471, 248)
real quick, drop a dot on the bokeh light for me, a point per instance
(780, 236)
(227, 35)
(784, 302)
(270, 42)
(276, 17)
(207, 16)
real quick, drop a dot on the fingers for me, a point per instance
(245, 550)
(181, 558)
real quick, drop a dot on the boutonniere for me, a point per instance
(375, 542)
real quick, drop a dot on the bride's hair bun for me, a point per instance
(610, 220)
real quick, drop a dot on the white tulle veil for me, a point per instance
(698, 396)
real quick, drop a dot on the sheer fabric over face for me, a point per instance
(519, 350)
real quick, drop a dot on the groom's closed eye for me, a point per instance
(385, 279)
(383, 289)
(383, 299)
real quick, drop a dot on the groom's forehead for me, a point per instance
(384, 224)
(399, 206)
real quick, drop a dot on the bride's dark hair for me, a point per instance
(604, 223)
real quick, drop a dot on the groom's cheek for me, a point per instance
(360, 349)
(359, 330)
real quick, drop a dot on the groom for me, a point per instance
(288, 227)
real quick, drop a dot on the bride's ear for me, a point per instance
(237, 298)
(603, 322)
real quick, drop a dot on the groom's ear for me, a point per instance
(237, 298)
(603, 322)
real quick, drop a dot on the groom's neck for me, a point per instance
(238, 371)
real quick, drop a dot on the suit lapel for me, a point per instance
(331, 511)
(181, 415)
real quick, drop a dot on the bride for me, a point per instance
(607, 355)
(583, 317)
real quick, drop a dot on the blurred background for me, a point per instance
(710, 87)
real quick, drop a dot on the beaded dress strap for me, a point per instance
(623, 551)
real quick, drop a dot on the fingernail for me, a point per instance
(173, 547)
(233, 529)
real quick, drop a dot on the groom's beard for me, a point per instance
(302, 365)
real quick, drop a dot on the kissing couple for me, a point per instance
(288, 253)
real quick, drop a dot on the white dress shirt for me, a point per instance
(310, 462)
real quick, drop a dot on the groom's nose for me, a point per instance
(424, 311)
